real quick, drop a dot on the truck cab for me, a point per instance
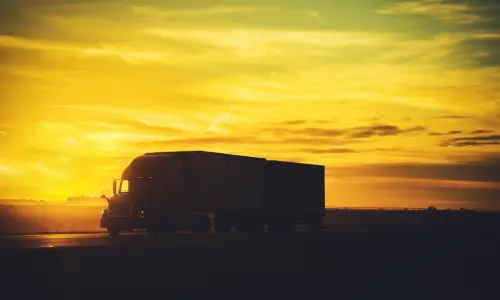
(120, 215)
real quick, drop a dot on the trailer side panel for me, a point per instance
(228, 183)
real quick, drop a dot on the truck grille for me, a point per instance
(119, 209)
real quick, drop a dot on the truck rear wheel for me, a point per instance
(315, 223)
(201, 224)
(280, 224)
(250, 228)
(250, 225)
(222, 224)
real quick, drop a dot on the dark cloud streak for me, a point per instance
(382, 130)
(472, 141)
(454, 117)
(465, 144)
(329, 151)
(453, 132)
(349, 133)
(480, 131)
(486, 170)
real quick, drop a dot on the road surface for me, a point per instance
(334, 264)
(139, 239)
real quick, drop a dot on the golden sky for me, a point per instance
(400, 100)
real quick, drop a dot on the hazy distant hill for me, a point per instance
(26, 219)
(24, 202)
(85, 201)
(71, 201)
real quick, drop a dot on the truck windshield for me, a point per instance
(124, 184)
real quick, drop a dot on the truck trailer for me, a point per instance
(167, 191)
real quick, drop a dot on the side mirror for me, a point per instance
(104, 197)
(114, 187)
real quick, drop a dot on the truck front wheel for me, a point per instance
(113, 231)
(152, 231)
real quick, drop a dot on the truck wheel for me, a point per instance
(152, 231)
(113, 231)
(222, 225)
(201, 224)
(167, 232)
(250, 229)
(251, 225)
(166, 229)
(256, 227)
(280, 225)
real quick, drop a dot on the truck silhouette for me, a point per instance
(167, 191)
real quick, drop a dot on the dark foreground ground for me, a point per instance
(333, 265)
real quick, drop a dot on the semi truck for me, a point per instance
(163, 192)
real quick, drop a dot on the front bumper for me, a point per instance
(122, 222)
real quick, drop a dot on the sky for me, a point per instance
(400, 100)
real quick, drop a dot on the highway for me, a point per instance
(186, 238)
(129, 239)
(182, 238)
(341, 263)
